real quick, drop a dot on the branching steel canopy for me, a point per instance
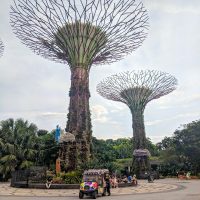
(137, 88)
(80, 32)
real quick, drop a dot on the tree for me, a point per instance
(80, 33)
(115, 154)
(17, 144)
(187, 145)
(123, 148)
(181, 151)
(102, 151)
(136, 89)
(47, 149)
(166, 143)
(42, 132)
(154, 151)
(22, 145)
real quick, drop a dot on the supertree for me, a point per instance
(136, 89)
(80, 33)
(1, 48)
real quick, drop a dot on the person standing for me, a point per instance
(107, 180)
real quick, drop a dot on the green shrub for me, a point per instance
(57, 180)
(73, 177)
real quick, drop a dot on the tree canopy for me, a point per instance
(23, 145)
(181, 151)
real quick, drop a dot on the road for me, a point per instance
(190, 191)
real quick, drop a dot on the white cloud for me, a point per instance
(178, 98)
(150, 123)
(174, 6)
(99, 113)
(37, 89)
(51, 114)
(156, 139)
(176, 117)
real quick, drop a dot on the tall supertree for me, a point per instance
(136, 89)
(1, 48)
(80, 33)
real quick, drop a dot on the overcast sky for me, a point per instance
(36, 89)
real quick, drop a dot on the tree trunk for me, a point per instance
(140, 164)
(138, 129)
(79, 121)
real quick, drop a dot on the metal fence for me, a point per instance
(22, 178)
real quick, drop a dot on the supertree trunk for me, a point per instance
(140, 166)
(140, 163)
(136, 90)
(138, 129)
(79, 121)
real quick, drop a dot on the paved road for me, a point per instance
(188, 190)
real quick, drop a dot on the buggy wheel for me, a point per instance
(94, 195)
(81, 195)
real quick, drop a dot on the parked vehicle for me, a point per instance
(93, 183)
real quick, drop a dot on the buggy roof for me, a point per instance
(96, 171)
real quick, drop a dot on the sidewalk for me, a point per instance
(142, 188)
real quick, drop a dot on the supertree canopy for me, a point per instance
(1, 48)
(80, 33)
(136, 89)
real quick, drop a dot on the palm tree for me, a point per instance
(47, 148)
(17, 145)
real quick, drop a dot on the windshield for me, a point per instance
(92, 178)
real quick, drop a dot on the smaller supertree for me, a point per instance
(136, 89)
(1, 48)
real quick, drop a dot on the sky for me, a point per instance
(36, 89)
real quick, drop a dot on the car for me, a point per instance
(93, 183)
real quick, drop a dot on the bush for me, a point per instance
(73, 177)
(57, 180)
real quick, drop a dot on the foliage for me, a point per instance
(47, 149)
(110, 150)
(22, 146)
(153, 149)
(116, 155)
(42, 132)
(72, 177)
(122, 165)
(181, 151)
(17, 145)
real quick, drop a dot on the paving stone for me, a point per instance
(142, 188)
